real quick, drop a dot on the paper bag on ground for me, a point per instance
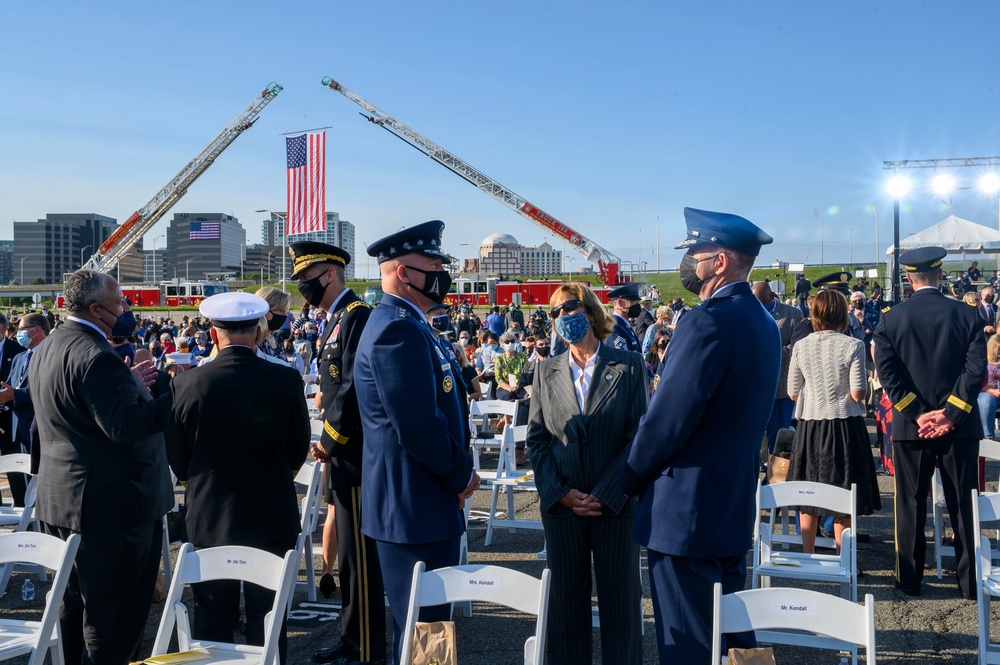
(434, 643)
(758, 656)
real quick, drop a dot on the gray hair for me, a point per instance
(85, 287)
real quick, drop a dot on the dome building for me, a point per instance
(502, 254)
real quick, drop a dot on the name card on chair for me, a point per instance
(489, 580)
(238, 562)
(20, 462)
(801, 608)
(810, 492)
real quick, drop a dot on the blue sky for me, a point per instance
(608, 116)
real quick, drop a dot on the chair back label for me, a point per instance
(488, 580)
(243, 562)
(787, 607)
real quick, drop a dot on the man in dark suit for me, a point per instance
(802, 288)
(694, 461)
(247, 498)
(643, 319)
(319, 268)
(931, 359)
(626, 303)
(417, 471)
(32, 330)
(102, 472)
(9, 349)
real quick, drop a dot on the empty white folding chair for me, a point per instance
(509, 480)
(18, 638)
(310, 475)
(989, 449)
(796, 617)
(21, 520)
(837, 568)
(985, 508)
(227, 563)
(482, 410)
(477, 583)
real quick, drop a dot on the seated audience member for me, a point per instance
(167, 342)
(294, 359)
(469, 373)
(990, 393)
(664, 315)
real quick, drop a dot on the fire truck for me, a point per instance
(485, 291)
(608, 264)
(174, 293)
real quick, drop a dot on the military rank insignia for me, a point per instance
(448, 384)
(334, 372)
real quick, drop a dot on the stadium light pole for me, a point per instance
(187, 268)
(155, 281)
(284, 243)
(82, 250)
(22, 267)
(898, 187)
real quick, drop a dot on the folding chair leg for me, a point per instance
(5, 571)
(938, 538)
(510, 507)
(495, 490)
(310, 569)
(463, 560)
(165, 555)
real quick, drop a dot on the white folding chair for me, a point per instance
(839, 569)
(989, 449)
(227, 563)
(489, 584)
(508, 479)
(36, 637)
(796, 617)
(310, 475)
(483, 409)
(21, 519)
(985, 508)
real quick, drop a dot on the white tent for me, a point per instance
(956, 235)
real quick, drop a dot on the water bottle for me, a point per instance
(27, 591)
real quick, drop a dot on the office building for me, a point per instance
(338, 232)
(49, 248)
(6, 261)
(203, 242)
(502, 254)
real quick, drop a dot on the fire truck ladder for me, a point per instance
(135, 227)
(607, 262)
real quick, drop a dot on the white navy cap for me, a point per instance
(233, 310)
(178, 358)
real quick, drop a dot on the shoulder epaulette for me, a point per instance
(355, 304)
(886, 309)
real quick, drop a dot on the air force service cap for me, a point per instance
(307, 253)
(923, 259)
(723, 229)
(835, 281)
(628, 292)
(420, 239)
(234, 310)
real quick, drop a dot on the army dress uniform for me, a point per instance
(930, 353)
(363, 616)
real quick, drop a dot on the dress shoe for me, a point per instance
(908, 592)
(327, 585)
(863, 537)
(332, 654)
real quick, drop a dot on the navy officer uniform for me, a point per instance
(623, 336)
(416, 460)
(835, 281)
(693, 463)
(362, 621)
(931, 354)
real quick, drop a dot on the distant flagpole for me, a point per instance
(306, 155)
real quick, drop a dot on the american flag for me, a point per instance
(306, 183)
(204, 231)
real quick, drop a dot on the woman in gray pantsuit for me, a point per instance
(585, 408)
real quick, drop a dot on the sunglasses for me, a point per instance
(566, 307)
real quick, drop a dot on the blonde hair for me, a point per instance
(600, 321)
(664, 313)
(971, 298)
(993, 349)
(276, 298)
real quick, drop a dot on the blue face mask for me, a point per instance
(573, 327)
(23, 338)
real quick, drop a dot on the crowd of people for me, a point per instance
(644, 429)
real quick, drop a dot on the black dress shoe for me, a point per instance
(863, 537)
(327, 585)
(332, 654)
(908, 592)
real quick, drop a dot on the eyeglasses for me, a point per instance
(566, 307)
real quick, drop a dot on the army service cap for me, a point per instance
(835, 281)
(923, 259)
(306, 253)
(723, 229)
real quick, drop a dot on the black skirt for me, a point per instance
(838, 453)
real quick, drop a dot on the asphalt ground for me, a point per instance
(938, 627)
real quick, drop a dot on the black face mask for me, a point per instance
(858, 304)
(988, 299)
(634, 311)
(157, 352)
(543, 351)
(689, 279)
(277, 320)
(436, 284)
(312, 290)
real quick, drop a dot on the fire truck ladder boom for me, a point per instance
(607, 262)
(135, 227)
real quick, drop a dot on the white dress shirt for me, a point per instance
(582, 377)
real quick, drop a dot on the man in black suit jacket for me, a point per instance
(32, 330)
(9, 349)
(102, 472)
(243, 497)
(930, 353)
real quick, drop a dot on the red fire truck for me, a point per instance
(484, 291)
(171, 293)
